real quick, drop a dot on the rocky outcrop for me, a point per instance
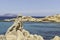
(54, 18)
(22, 35)
(16, 32)
(56, 38)
(2, 37)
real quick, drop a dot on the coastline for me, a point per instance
(54, 18)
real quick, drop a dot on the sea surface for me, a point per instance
(46, 29)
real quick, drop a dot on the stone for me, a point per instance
(56, 38)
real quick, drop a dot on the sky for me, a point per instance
(30, 7)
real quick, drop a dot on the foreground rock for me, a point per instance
(22, 35)
(56, 38)
(2, 37)
(16, 32)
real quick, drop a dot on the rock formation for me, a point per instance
(16, 32)
(56, 38)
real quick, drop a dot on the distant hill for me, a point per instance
(9, 15)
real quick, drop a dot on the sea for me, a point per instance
(47, 30)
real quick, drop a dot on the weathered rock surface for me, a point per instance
(56, 38)
(2, 37)
(22, 35)
(16, 32)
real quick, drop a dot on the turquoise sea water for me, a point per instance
(46, 29)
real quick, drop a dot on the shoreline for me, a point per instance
(54, 18)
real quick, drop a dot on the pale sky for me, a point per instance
(30, 7)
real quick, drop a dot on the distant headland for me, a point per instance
(53, 18)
